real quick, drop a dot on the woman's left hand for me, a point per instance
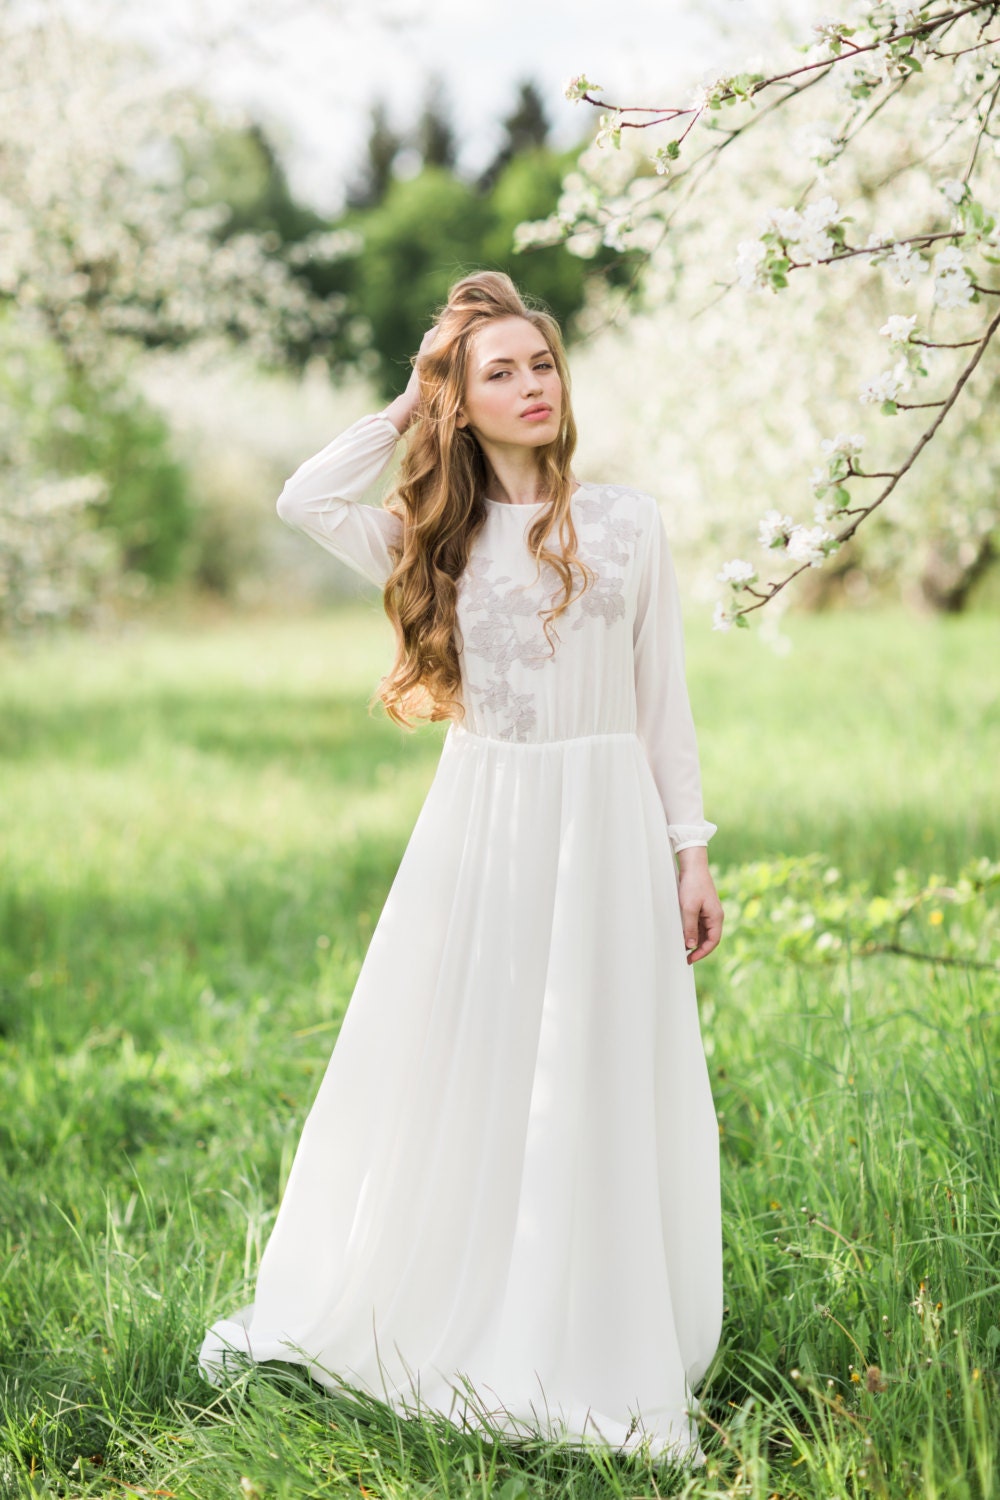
(701, 909)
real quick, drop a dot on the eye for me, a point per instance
(545, 364)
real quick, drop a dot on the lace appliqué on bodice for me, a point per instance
(500, 624)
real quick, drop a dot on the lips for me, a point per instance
(532, 410)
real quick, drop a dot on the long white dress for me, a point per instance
(509, 1179)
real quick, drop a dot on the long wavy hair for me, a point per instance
(440, 498)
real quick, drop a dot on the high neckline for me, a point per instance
(534, 505)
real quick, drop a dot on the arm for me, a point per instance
(666, 728)
(320, 499)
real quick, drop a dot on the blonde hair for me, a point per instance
(440, 499)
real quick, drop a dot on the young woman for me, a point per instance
(505, 1200)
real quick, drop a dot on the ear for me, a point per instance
(460, 420)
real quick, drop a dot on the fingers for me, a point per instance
(706, 933)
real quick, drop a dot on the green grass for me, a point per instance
(198, 827)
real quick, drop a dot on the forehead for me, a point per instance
(506, 338)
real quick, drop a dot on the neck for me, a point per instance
(514, 477)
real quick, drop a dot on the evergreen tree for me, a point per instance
(434, 135)
(525, 128)
(370, 187)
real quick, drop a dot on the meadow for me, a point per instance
(198, 826)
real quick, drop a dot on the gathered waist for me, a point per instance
(458, 734)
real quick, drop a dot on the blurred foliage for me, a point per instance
(147, 502)
(432, 229)
(388, 260)
(802, 909)
(240, 168)
(92, 497)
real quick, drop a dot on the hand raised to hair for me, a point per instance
(400, 412)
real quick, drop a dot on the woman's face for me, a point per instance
(510, 371)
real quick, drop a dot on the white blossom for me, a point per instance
(809, 544)
(585, 241)
(881, 65)
(786, 222)
(906, 17)
(952, 283)
(774, 527)
(737, 572)
(828, 33)
(538, 232)
(819, 147)
(953, 189)
(750, 258)
(904, 265)
(806, 230)
(576, 87)
(616, 234)
(887, 386)
(609, 128)
(700, 98)
(897, 328)
(949, 259)
(848, 444)
(952, 290)
(721, 618)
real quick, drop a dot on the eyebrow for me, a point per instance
(505, 361)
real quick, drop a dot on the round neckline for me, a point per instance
(535, 504)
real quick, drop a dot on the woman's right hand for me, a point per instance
(400, 412)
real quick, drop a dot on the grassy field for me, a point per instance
(198, 827)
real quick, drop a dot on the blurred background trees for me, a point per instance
(178, 330)
(141, 229)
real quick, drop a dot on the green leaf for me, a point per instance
(888, 408)
(516, 1488)
(741, 622)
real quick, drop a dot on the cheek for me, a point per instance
(495, 396)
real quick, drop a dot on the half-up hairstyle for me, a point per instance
(440, 499)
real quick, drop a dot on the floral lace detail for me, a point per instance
(614, 547)
(509, 631)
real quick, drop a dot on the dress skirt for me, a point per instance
(509, 1178)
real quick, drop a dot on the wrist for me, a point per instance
(694, 857)
(400, 412)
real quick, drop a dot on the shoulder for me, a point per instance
(629, 515)
(619, 502)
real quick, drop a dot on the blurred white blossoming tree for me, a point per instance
(814, 299)
(101, 253)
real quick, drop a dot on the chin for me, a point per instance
(541, 432)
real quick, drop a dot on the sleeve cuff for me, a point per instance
(687, 835)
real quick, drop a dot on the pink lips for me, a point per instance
(537, 411)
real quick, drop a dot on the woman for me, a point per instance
(506, 1199)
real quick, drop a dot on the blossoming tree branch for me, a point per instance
(930, 72)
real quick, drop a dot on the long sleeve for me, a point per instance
(320, 499)
(663, 710)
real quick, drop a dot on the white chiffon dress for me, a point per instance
(506, 1194)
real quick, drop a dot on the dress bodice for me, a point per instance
(618, 660)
